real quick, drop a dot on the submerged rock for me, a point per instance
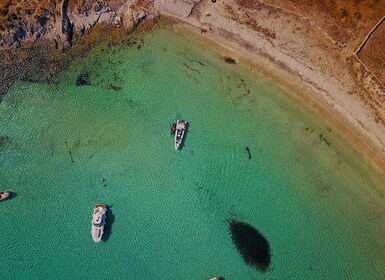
(83, 79)
(3, 141)
(115, 87)
(229, 60)
(251, 244)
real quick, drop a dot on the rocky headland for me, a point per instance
(329, 51)
(23, 22)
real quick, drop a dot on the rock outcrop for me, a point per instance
(24, 22)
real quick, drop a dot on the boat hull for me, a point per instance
(97, 233)
(179, 133)
(98, 222)
(4, 195)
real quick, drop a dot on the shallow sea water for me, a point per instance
(320, 204)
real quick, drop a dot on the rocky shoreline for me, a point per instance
(61, 22)
(40, 56)
(322, 63)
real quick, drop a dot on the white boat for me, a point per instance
(4, 195)
(179, 133)
(98, 221)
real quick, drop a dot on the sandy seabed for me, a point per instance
(347, 125)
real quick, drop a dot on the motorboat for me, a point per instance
(179, 133)
(98, 222)
(4, 195)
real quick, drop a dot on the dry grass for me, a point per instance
(17, 10)
(246, 16)
(346, 21)
(82, 6)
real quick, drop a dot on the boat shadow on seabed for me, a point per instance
(184, 137)
(12, 195)
(110, 219)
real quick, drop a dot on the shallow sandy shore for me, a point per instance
(342, 121)
(300, 53)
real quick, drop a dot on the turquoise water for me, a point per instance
(320, 206)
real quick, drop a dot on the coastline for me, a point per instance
(318, 69)
(327, 109)
(82, 135)
(311, 194)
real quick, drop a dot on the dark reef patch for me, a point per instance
(191, 69)
(323, 139)
(114, 87)
(4, 140)
(248, 152)
(84, 79)
(34, 64)
(229, 60)
(251, 244)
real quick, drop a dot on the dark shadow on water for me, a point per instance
(109, 221)
(12, 195)
(251, 244)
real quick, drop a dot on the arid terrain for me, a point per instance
(357, 26)
(372, 52)
(331, 48)
(346, 21)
